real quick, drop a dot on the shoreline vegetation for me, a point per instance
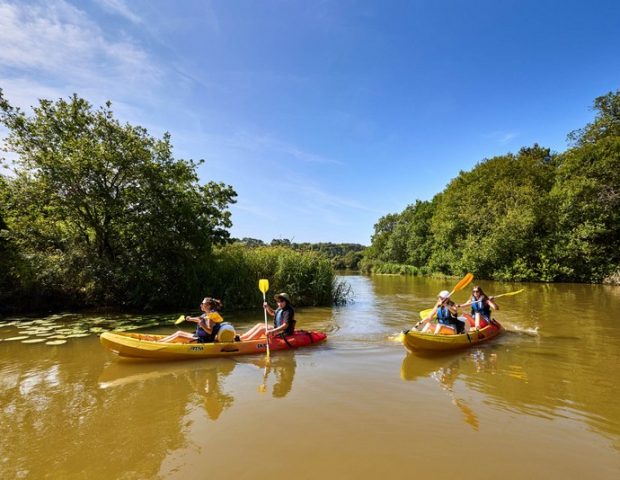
(536, 215)
(99, 214)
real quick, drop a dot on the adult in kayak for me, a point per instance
(446, 312)
(481, 305)
(283, 323)
(208, 324)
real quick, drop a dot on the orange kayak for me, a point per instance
(138, 345)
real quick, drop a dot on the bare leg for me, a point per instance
(250, 333)
(477, 321)
(178, 337)
(256, 332)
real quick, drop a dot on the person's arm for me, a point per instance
(268, 309)
(205, 324)
(430, 316)
(492, 304)
(468, 302)
(192, 319)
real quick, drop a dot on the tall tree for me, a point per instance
(104, 210)
(588, 195)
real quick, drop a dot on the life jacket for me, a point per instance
(278, 321)
(204, 337)
(445, 316)
(481, 306)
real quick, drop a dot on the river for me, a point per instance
(540, 401)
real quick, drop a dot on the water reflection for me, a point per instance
(513, 380)
(278, 371)
(446, 375)
(204, 379)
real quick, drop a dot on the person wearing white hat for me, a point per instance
(446, 312)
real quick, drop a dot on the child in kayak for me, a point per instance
(481, 306)
(208, 324)
(283, 323)
(446, 312)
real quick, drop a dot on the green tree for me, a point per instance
(587, 193)
(489, 220)
(103, 210)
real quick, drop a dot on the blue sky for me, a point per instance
(323, 115)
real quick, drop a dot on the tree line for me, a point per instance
(97, 213)
(343, 256)
(535, 215)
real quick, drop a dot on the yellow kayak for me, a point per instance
(415, 340)
(148, 346)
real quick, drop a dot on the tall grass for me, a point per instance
(308, 277)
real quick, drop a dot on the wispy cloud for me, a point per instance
(52, 46)
(268, 143)
(501, 137)
(120, 8)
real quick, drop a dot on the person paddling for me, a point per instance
(481, 305)
(446, 312)
(284, 319)
(208, 324)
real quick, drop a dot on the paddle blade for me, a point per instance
(509, 293)
(466, 280)
(181, 319)
(425, 313)
(263, 285)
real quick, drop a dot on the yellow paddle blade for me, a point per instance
(466, 280)
(425, 313)
(181, 319)
(263, 285)
(509, 293)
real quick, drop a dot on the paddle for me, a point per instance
(263, 286)
(179, 320)
(507, 294)
(427, 312)
(466, 280)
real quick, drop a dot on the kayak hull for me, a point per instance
(136, 345)
(414, 340)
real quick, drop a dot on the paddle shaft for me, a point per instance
(266, 327)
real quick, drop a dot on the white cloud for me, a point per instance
(267, 143)
(120, 8)
(53, 47)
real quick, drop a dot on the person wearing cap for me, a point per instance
(207, 326)
(283, 322)
(446, 312)
(481, 306)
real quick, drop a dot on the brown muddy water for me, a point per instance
(541, 401)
